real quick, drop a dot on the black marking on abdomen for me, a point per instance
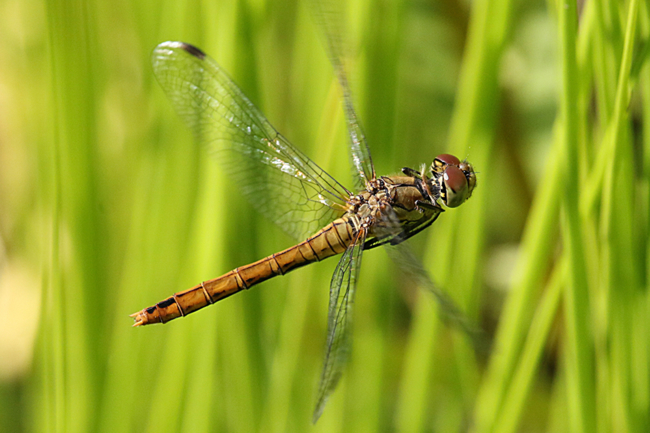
(336, 231)
(166, 303)
(313, 251)
(328, 241)
(278, 264)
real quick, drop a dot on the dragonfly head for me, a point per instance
(455, 179)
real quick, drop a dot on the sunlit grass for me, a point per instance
(109, 203)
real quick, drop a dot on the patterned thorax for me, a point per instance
(398, 207)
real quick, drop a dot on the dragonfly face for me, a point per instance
(455, 179)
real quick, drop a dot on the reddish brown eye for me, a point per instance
(456, 186)
(448, 159)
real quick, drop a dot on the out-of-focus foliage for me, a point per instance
(107, 206)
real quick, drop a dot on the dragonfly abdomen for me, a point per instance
(331, 240)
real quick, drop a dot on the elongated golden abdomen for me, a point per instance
(333, 239)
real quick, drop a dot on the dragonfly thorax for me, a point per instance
(372, 201)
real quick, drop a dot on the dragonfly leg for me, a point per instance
(424, 205)
(411, 172)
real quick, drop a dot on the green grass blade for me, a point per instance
(579, 353)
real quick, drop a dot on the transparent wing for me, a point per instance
(278, 179)
(330, 19)
(391, 233)
(339, 320)
(413, 268)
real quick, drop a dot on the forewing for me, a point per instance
(277, 178)
(330, 18)
(339, 320)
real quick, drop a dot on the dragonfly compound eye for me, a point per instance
(442, 161)
(448, 159)
(456, 185)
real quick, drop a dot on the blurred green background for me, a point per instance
(108, 206)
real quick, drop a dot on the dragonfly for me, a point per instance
(303, 199)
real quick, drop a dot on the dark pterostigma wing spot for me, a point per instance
(277, 178)
(193, 50)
